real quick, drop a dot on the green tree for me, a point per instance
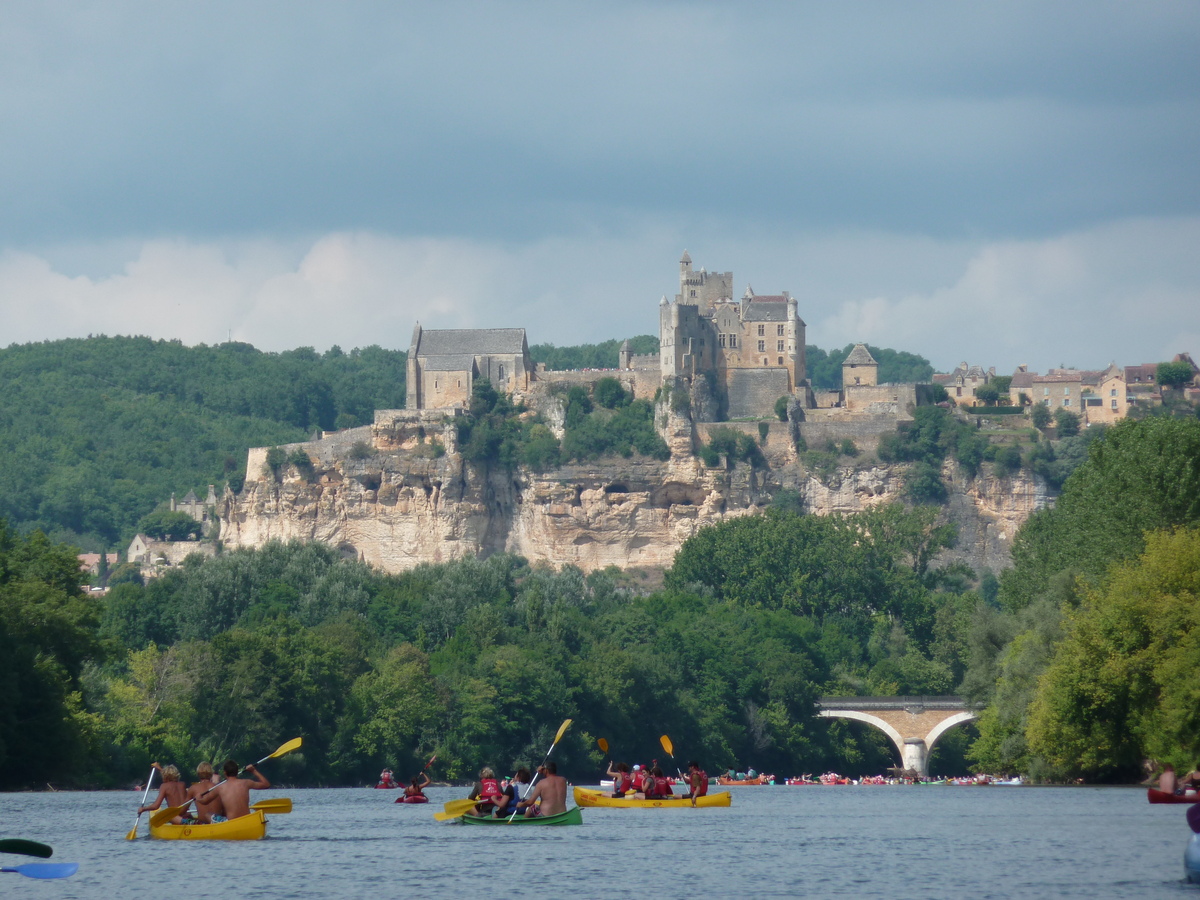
(1173, 374)
(1040, 415)
(1066, 422)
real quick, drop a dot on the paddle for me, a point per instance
(603, 745)
(44, 870)
(562, 729)
(133, 831)
(669, 747)
(26, 848)
(458, 807)
(279, 806)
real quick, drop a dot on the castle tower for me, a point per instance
(860, 368)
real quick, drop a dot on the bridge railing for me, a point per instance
(926, 702)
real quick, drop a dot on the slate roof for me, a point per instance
(764, 309)
(472, 341)
(860, 356)
(454, 362)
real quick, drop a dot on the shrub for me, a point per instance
(1040, 415)
(781, 407)
(763, 430)
(1007, 461)
(1066, 422)
(609, 393)
(848, 448)
(303, 463)
(360, 450)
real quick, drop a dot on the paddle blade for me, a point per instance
(666, 745)
(131, 835)
(279, 805)
(26, 848)
(458, 807)
(293, 744)
(603, 745)
(44, 870)
(447, 816)
(562, 729)
(166, 815)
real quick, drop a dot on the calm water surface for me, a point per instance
(886, 842)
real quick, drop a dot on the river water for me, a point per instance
(886, 842)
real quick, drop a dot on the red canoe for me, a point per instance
(415, 798)
(1156, 796)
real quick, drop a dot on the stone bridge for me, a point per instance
(913, 723)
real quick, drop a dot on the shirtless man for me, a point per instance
(208, 809)
(234, 792)
(172, 790)
(551, 790)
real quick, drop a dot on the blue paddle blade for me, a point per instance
(44, 870)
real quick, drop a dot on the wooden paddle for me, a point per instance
(26, 848)
(133, 831)
(44, 870)
(562, 729)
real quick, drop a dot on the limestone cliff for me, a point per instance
(398, 494)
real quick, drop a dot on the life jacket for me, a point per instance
(623, 784)
(662, 786)
(638, 780)
(702, 789)
(489, 790)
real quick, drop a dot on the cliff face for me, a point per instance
(401, 504)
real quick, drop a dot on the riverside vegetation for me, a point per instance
(1084, 653)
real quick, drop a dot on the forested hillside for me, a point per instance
(94, 433)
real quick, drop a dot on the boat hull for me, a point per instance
(572, 816)
(722, 780)
(593, 798)
(244, 828)
(1156, 796)
(416, 798)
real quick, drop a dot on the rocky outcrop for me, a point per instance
(399, 494)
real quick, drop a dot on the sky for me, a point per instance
(1003, 183)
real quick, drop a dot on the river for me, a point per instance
(885, 842)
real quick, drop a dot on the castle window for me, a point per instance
(781, 360)
(779, 330)
(762, 329)
(1067, 401)
(733, 340)
(762, 345)
(721, 340)
(692, 292)
(1114, 404)
(779, 346)
(501, 372)
(1113, 392)
(435, 384)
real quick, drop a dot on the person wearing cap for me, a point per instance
(622, 782)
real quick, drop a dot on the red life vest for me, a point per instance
(702, 788)
(662, 786)
(638, 780)
(624, 784)
(489, 789)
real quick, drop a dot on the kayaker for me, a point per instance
(1167, 780)
(551, 790)
(1191, 781)
(638, 780)
(662, 784)
(486, 790)
(416, 787)
(386, 779)
(511, 795)
(172, 790)
(622, 781)
(208, 808)
(697, 781)
(234, 792)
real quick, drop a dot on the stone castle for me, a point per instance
(398, 493)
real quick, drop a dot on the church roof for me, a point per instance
(860, 356)
(451, 362)
(473, 341)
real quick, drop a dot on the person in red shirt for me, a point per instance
(622, 780)
(639, 780)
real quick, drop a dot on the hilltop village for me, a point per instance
(397, 493)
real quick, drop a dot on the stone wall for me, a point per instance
(753, 392)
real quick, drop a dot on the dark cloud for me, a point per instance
(513, 121)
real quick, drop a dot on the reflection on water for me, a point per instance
(886, 842)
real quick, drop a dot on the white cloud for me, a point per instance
(1128, 291)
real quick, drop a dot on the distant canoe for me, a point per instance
(745, 782)
(1156, 796)
(588, 797)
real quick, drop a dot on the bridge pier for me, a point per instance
(914, 724)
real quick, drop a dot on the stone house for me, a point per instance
(444, 364)
(90, 562)
(1097, 397)
(1104, 396)
(961, 383)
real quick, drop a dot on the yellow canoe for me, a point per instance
(244, 828)
(588, 797)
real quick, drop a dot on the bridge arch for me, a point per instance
(914, 724)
